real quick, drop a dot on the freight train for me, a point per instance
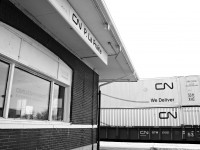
(154, 110)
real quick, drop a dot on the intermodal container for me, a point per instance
(191, 115)
(162, 92)
(141, 117)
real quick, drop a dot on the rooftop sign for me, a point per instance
(69, 14)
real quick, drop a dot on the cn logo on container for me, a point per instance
(167, 115)
(163, 86)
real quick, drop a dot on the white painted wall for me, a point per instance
(29, 52)
(9, 43)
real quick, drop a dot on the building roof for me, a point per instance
(86, 29)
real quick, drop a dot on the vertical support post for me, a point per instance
(8, 91)
(99, 117)
(51, 101)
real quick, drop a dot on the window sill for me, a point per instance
(35, 124)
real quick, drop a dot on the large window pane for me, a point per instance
(58, 103)
(3, 80)
(29, 96)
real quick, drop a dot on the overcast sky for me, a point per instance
(162, 37)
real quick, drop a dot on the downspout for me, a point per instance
(99, 107)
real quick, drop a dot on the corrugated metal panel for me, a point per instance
(191, 115)
(141, 117)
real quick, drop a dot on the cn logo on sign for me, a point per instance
(163, 86)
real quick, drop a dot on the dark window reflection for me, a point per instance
(3, 80)
(29, 96)
(58, 103)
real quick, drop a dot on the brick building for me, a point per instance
(53, 54)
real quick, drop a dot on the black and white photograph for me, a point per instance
(99, 75)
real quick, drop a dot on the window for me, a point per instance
(3, 80)
(58, 102)
(29, 96)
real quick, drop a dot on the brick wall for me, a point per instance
(45, 139)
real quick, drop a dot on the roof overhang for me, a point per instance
(85, 28)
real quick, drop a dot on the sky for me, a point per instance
(161, 37)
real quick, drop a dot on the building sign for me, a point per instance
(69, 14)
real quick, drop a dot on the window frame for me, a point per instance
(63, 106)
(6, 83)
(35, 75)
(67, 98)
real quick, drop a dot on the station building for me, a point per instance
(53, 55)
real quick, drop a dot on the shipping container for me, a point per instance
(163, 92)
(190, 90)
(150, 116)
(144, 93)
(157, 110)
(141, 117)
(191, 115)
